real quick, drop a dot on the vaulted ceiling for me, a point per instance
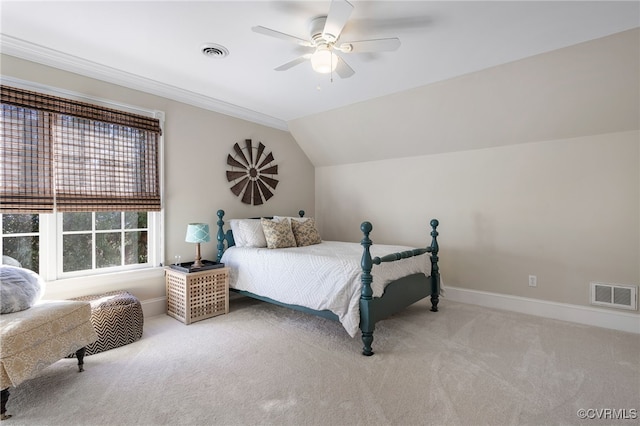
(156, 46)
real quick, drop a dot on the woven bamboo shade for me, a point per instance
(62, 155)
(57, 105)
(26, 160)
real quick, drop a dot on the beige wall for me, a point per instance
(555, 191)
(564, 210)
(196, 144)
(551, 188)
(587, 89)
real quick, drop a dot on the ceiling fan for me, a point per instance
(325, 46)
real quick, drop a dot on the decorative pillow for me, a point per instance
(248, 233)
(278, 234)
(20, 289)
(7, 260)
(305, 232)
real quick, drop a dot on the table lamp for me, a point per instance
(198, 233)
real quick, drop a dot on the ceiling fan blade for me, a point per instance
(343, 69)
(339, 13)
(379, 45)
(293, 63)
(277, 34)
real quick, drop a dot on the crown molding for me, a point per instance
(36, 53)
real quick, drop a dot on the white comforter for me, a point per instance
(321, 276)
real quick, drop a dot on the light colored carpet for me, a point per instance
(265, 365)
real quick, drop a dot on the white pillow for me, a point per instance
(290, 218)
(237, 235)
(19, 289)
(248, 233)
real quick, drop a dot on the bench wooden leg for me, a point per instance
(80, 355)
(4, 397)
(4, 393)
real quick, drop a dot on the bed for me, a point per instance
(331, 279)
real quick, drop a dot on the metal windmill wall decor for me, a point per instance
(252, 173)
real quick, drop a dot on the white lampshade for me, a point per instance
(324, 60)
(198, 233)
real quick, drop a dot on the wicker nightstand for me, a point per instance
(197, 295)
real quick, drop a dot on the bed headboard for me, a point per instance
(227, 236)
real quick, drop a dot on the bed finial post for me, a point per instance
(367, 263)
(301, 213)
(366, 296)
(435, 269)
(220, 235)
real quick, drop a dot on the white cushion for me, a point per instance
(7, 260)
(235, 229)
(19, 288)
(248, 233)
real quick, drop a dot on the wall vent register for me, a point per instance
(614, 295)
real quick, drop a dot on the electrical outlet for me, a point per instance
(533, 281)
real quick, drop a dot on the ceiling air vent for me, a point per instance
(212, 50)
(614, 295)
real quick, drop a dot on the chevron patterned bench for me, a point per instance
(117, 318)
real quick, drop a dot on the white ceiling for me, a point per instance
(156, 45)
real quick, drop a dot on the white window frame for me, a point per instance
(55, 263)
(50, 235)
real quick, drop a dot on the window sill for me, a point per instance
(67, 288)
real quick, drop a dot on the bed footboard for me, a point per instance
(400, 293)
(397, 295)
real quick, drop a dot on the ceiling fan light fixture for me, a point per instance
(324, 60)
(325, 31)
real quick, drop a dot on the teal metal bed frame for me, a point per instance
(397, 295)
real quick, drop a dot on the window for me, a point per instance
(112, 239)
(79, 186)
(21, 239)
(84, 243)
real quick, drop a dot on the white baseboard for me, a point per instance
(153, 307)
(606, 318)
(622, 321)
